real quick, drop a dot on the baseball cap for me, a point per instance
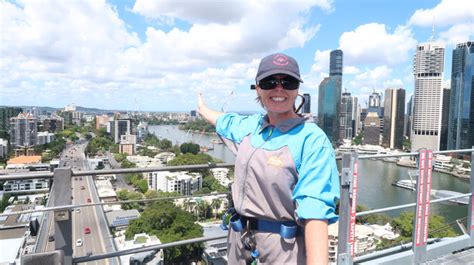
(278, 63)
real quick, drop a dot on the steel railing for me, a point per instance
(346, 204)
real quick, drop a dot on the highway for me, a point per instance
(90, 233)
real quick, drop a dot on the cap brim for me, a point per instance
(278, 71)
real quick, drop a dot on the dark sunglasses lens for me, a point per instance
(290, 84)
(268, 84)
(287, 83)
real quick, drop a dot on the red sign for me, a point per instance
(420, 202)
(353, 208)
(428, 194)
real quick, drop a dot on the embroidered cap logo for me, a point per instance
(280, 60)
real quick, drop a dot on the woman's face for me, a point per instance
(278, 100)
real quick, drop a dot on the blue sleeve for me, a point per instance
(234, 127)
(317, 190)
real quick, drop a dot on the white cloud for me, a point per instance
(446, 13)
(351, 70)
(371, 79)
(373, 44)
(453, 19)
(69, 47)
(458, 34)
(194, 11)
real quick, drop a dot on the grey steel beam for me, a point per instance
(53, 257)
(147, 248)
(470, 208)
(62, 218)
(345, 202)
(148, 169)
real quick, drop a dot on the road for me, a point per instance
(98, 240)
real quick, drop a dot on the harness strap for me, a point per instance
(287, 229)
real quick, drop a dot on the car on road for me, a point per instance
(79, 243)
(78, 210)
(89, 200)
(83, 188)
(87, 230)
(51, 238)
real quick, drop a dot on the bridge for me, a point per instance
(422, 249)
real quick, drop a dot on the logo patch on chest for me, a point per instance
(274, 161)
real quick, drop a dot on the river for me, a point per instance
(375, 177)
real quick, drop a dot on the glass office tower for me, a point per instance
(329, 97)
(461, 111)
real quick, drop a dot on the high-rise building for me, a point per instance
(5, 114)
(375, 99)
(443, 140)
(372, 129)
(394, 116)
(461, 108)
(101, 121)
(335, 63)
(408, 117)
(345, 116)
(53, 124)
(329, 98)
(120, 127)
(356, 126)
(307, 103)
(428, 71)
(23, 130)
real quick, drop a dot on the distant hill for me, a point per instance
(78, 108)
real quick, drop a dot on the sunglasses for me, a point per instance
(288, 83)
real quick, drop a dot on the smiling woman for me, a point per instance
(286, 180)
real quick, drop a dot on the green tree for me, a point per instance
(165, 145)
(4, 202)
(190, 159)
(215, 205)
(189, 148)
(358, 139)
(169, 223)
(142, 185)
(437, 226)
(151, 194)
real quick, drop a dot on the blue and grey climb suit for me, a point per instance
(285, 172)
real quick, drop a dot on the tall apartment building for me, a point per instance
(53, 124)
(428, 71)
(101, 121)
(443, 140)
(3, 148)
(408, 117)
(356, 125)
(375, 99)
(23, 130)
(372, 129)
(394, 117)
(345, 116)
(5, 114)
(119, 127)
(461, 107)
(128, 144)
(67, 117)
(329, 99)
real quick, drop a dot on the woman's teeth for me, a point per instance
(279, 99)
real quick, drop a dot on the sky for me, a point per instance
(147, 55)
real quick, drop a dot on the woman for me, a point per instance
(286, 181)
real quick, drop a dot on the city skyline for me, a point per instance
(156, 56)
